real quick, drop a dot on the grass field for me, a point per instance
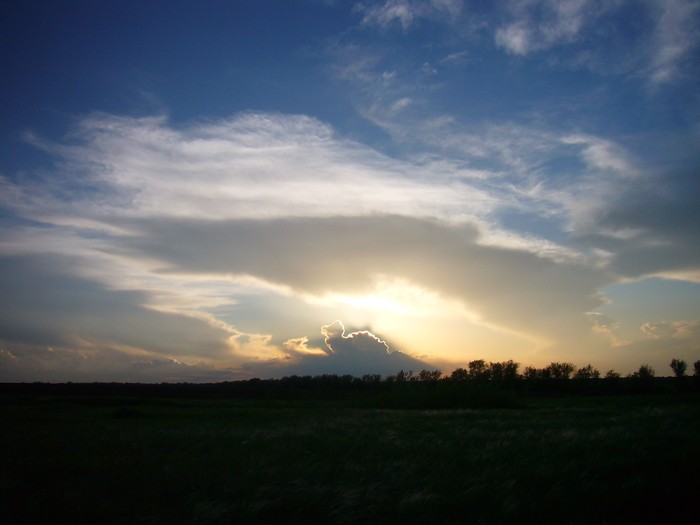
(568, 460)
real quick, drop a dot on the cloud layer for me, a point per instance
(284, 201)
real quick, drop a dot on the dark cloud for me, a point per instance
(651, 227)
(58, 364)
(45, 306)
(361, 342)
(58, 327)
(356, 353)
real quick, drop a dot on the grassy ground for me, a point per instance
(111, 460)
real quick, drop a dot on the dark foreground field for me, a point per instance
(569, 460)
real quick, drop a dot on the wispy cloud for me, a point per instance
(89, 362)
(672, 329)
(407, 12)
(603, 154)
(607, 327)
(655, 46)
(540, 25)
(144, 168)
(675, 36)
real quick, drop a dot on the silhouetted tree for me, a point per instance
(504, 373)
(679, 367)
(644, 378)
(429, 375)
(696, 368)
(587, 372)
(460, 374)
(612, 381)
(402, 376)
(510, 370)
(478, 370)
(532, 373)
(560, 371)
(645, 372)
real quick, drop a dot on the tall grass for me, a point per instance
(600, 460)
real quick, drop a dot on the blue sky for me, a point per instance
(217, 190)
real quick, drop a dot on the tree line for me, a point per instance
(479, 384)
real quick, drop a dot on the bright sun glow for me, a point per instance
(373, 302)
(397, 296)
(411, 316)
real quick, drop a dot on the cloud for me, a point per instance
(165, 226)
(339, 343)
(86, 363)
(457, 58)
(505, 287)
(662, 341)
(47, 305)
(143, 167)
(604, 155)
(179, 214)
(688, 330)
(635, 215)
(88, 326)
(407, 12)
(300, 346)
(650, 39)
(606, 326)
(515, 38)
(543, 24)
(674, 37)
(650, 228)
(356, 353)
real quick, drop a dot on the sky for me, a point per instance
(209, 191)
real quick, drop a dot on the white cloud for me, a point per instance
(407, 12)
(606, 326)
(515, 37)
(601, 154)
(143, 167)
(665, 37)
(456, 58)
(675, 36)
(689, 330)
(661, 341)
(300, 346)
(401, 104)
(271, 165)
(543, 24)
